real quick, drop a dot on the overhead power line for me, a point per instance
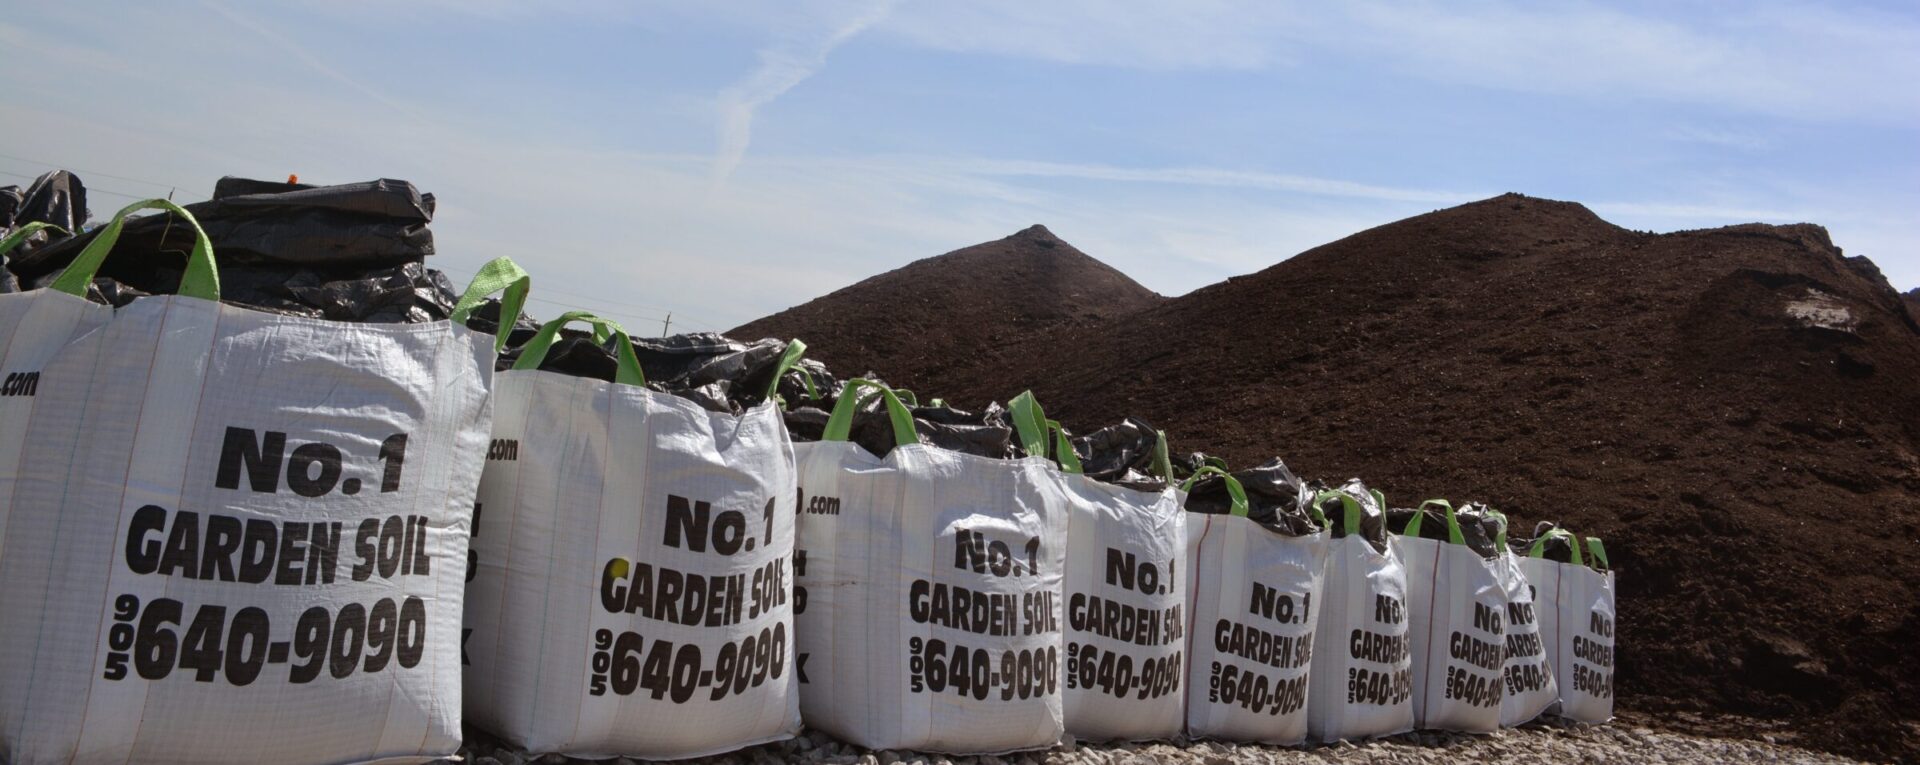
(94, 189)
(57, 166)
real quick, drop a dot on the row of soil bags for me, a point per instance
(957, 603)
(235, 533)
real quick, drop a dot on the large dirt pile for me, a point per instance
(1913, 302)
(1734, 410)
(933, 316)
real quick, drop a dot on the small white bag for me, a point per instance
(1363, 672)
(1255, 603)
(631, 594)
(1528, 672)
(1126, 620)
(1576, 609)
(928, 592)
(1457, 606)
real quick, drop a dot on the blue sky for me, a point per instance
(725, 160)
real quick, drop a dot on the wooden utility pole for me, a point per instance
(666, 324)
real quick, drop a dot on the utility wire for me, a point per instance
(91, 189)
(87, 172)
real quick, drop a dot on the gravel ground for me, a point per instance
(1545, 742)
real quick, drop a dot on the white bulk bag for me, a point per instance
(239, 537)
(1253, 594)
(1575, 606)
(928, 592)
(1457, 618)
(1527, 671)
(37, 323)
(1363, 671)
(632, 590)
(1126, 623)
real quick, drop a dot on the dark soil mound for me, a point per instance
(1913, 302)
(1734, 410)
(922, 321)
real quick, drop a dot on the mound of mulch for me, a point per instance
(1735, 410)
(941, 314)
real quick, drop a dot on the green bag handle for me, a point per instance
(1234, 489)
(1063, 449)
(26, 230)
(1499, 539)
(906, 396)
(1453, 523)
(1599, 551)
(1380, 499)
(1029, 423)
(840, 423)
(505, 276)
(1162, 460)
(1350, 518)
(1539, 548)
(536, 349)
(201, 280)
(788, 358)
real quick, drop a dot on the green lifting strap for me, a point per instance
(1499, 539)
(1162, 460)
(201, 279)
(1234, 489)
(628, 372)
(500, 275)
(1029, 424)
(788, 358)
(1350, 516)
(1063, 449)
(1453, 523)
(840, 423)
(1599, 551)
(1539, 548)
(23, 232)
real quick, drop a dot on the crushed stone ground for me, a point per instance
(1539, 742)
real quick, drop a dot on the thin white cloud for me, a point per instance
(1783, 57)
(1144, 34)
(1727, 215)
(782, 66)
(292, 47)
(1732, 139)
(1218, 178)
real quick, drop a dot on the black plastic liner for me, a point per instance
(1373, 517)
(1476, 527)
(372, 225)
(1556, 548)
(57, 198)
(987, 433)
(1121, 454)
(10, 201)
(353, 252)
(719, 373)
(1276, 498)
(486, 318)
(405, 294)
